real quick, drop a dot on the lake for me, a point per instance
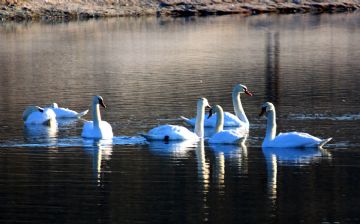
(150, 71)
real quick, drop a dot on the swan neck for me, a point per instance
(96, 114)
(271, 125)
(219, 121)
(199, 125)
(238, 108)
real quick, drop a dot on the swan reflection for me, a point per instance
(235, 154)
(41, 134)
(172, 148)
(203, 167)
(276, 157)
(100, 150)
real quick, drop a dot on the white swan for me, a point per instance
(66, 113)
(97, 129)
(220, 136)
(289, 139)
(176, 132)
(230, 120)
(38, 115)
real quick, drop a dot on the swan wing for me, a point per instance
(189, 121)
(230, 120)
(227, 137)
(83, 113)
(38, 117)
(67, 113)
(106, 130)
(88, 130)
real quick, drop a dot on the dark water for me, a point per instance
(149, 72)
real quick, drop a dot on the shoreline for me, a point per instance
(38, 10)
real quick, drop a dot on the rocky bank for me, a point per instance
(19, 10)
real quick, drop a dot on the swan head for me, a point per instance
(215, 109)
(29, 110)
(99, 100)
(266, 107)
(203, 102)
(239, 88)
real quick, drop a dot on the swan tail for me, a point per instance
(144, 135)
(323, 142)
(186, 120)
(82, 113)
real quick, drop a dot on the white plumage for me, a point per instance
(62, 112)
(37, 115)
(176, 132)
(230, 120)
(97, 128)
(289, 139)
(220, 136)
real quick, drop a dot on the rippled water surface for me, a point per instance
(150, 71)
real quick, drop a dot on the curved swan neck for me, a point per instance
(238, 108)
(219, 120)
(271, 125)
(199, 125)
(96, 114)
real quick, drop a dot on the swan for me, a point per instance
(66, 113)
(289, 139)
(220, 136)
(230, 120)
(97, 129)
(178, 133)
(37, 115)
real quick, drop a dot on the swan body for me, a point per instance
(220, 136)
(171, 132)
(66, 113)
(230, 120)
(34, 115)
(97, 128)
(289, 139)
(179, 133)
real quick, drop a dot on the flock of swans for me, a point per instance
(236, 133)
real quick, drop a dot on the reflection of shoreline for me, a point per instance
(276, 157)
